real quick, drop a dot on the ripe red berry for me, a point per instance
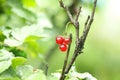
(63, 47)
(67, 40)
(59, 39)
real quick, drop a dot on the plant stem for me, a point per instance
(66, 59)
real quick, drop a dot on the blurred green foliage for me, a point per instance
(28, 30)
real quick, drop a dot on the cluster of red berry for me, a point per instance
(63, 42)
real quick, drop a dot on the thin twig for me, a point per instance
(67, 11)
(77, 25)
(78, 13)
(88, 24)
(66, 60)
(85, 26)
(46, 69)
(70, 15)
(71, 63)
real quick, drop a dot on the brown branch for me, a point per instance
(71, 62)
(67, 11)
(78, 13)
(88, 24)
(46, 69)
(85, 27)
(72, 20)
(79, 42)
(80, 46)
(66, 59)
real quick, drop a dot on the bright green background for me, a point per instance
(101, 55)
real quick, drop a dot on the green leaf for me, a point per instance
(4, 65)
(18, 52)
(36, 76)
(9, 74)
(28, 73)
(2, 36)
(32, 38)
(17, 61)
(20, 34)
(24, 13)
(30, 3)
(9, 78)
(77, 76)
(54, 76)
(31, 45)
(5, 60)
(18, 9)
(73, 74)
(70, 28)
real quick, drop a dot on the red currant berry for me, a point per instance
(63, 47)
(59, 39)
(67, 40)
